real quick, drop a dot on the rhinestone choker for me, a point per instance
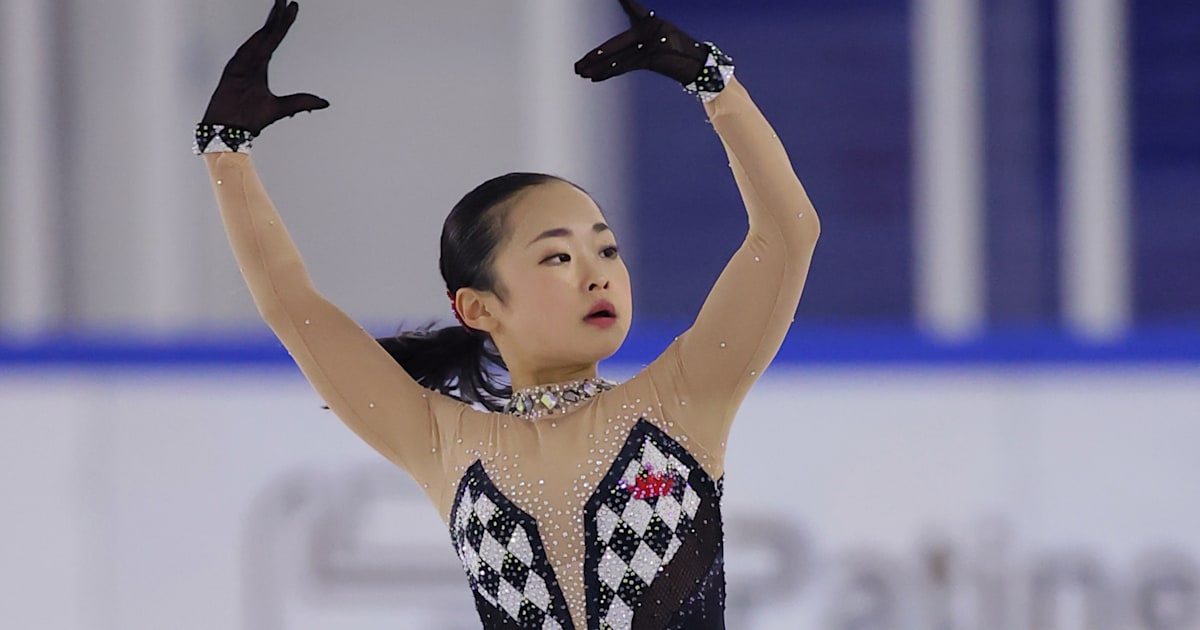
(543, 400)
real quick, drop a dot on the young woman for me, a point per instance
(573, 501)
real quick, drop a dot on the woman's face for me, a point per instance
(557, 260)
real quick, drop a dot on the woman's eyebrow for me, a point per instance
(597, 228)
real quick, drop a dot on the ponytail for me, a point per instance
(455, 361)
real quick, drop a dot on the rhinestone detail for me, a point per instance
(221, 139)
(714, 76)
(542, 400)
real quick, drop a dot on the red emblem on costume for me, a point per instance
(651, 484)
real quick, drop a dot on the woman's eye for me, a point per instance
(607, 252)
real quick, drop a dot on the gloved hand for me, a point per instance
(242, 105)
(653, 43)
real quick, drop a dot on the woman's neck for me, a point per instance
(523, 379)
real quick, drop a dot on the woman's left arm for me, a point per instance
(709, 369)
(748, 312)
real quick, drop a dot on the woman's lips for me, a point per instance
(603, 321)
(602, 315)
(603, 305)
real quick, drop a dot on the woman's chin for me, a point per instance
(613, 338)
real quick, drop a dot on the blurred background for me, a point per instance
(986, 415)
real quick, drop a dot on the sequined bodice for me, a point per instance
(630, 538)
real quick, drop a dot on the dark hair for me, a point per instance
(455, 360)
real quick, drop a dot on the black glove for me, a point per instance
(242, 105)
(652, 43)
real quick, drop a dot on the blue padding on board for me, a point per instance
(803, 347)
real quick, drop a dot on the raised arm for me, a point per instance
(738, 331)
(358, 379)
(748, 311)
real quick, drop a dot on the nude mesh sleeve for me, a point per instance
(748, 312)
(359, 380)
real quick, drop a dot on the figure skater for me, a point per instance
(572, 501)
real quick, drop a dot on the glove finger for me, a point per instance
(255, 49)
(276, 13)
(263, 35)
(621, 42)
(611, 65)
(634, 10)
(594, 64)
(287, 17)
(295, 103)
(272, 16)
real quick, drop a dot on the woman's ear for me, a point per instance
(473, 307)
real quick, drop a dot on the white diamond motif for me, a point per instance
(465, 508)
(631, 473)
(637, 515)
(510, 599)
(612, 569)
(536, 591)
(645, 563)
(672, 547)
(470, 559)
(619, 616)
(606, 522)
(691, 502)
(668, 510)
(519, 546)
(485, 509)
(491, 552)
(652, 458)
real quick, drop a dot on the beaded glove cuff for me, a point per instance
(221, 139)
(715, 75)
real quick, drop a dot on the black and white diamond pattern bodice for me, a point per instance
(502, 553)
(653, 534)
(652, 554)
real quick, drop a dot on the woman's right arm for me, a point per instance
(358, 379)
(355, 376)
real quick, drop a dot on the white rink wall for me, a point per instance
(935, 496)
